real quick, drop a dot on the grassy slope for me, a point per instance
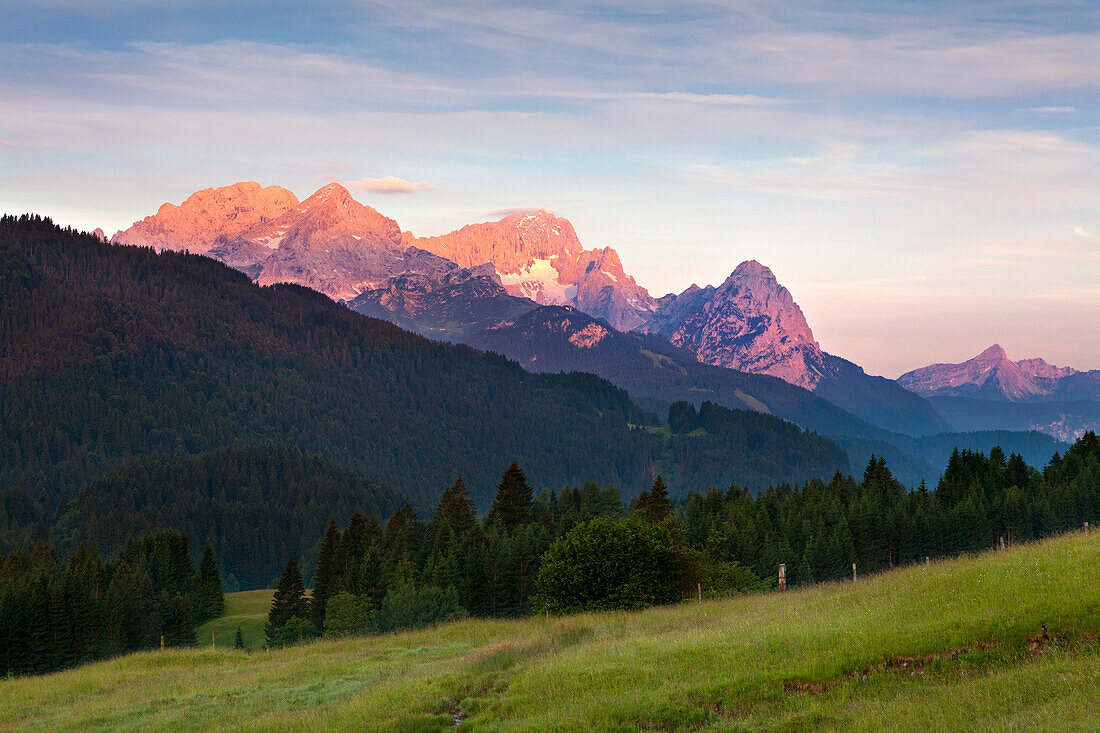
(812, 659)
(246, 610)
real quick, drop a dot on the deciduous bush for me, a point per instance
(609, 564)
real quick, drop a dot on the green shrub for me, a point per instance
(609, 564)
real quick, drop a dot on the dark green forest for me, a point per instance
(109, 354)
(256, 505)
(55, 615)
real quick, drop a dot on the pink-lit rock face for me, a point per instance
(209, 218)
(749, 323)
(331, 243)
(990, 374)
(589, 336)
(539, 256)
(602, 289)
(511, 244)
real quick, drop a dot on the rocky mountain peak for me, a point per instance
(749, 323)
(989, 375)
(209, 218)
(994, 353)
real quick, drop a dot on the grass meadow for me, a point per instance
(955, 645)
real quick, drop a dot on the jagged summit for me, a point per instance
(538, 256)
(751, 323)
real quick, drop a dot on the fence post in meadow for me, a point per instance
(213, 641)
(782, 577)
(1002, 542)
(162, 642)
(1086, 527)
(853, 572)
(699, 591)
(927, 561)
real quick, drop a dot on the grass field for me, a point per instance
(956, 645)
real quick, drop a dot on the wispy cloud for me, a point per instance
(9, 144)
(1050, 110)
(389, 184)
(1080, 231)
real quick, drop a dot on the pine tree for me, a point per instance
(289, 601)
(512, 504)
(326, 578)
(211, 600)
(654, 504)
(238, 639)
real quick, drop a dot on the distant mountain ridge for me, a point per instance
(991, 391)
(989, 375)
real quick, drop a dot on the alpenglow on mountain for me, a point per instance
(453, 286)
(752, 323)
(538, 256)
(992, 375)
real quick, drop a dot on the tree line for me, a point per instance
(584, 549)
(54, 615)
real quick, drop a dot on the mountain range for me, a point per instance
(992, 390)
(488, 284)
(123, 352)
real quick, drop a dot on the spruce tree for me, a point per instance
(512, 504)
(327, 576)
(211, 600)
(289, 602)
(455, 510)
(654, 504)
(238, 639)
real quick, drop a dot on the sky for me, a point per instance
(924, 177)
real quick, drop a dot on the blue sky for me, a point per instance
(923, 176)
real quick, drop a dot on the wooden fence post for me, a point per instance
(853, 572)
(699, 591)
(782, 577)
(1086, 527)
(1002, 542)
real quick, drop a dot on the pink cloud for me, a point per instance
(501, 213)
(389, 184)
(10, 144)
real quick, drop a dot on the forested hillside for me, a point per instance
(112, 353)
(257, 505)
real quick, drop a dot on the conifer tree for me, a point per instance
(289, 601)
(326, 578)
(211, 600)
(512, 504)
(238, 639)
(654, 504)
(456, 510)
